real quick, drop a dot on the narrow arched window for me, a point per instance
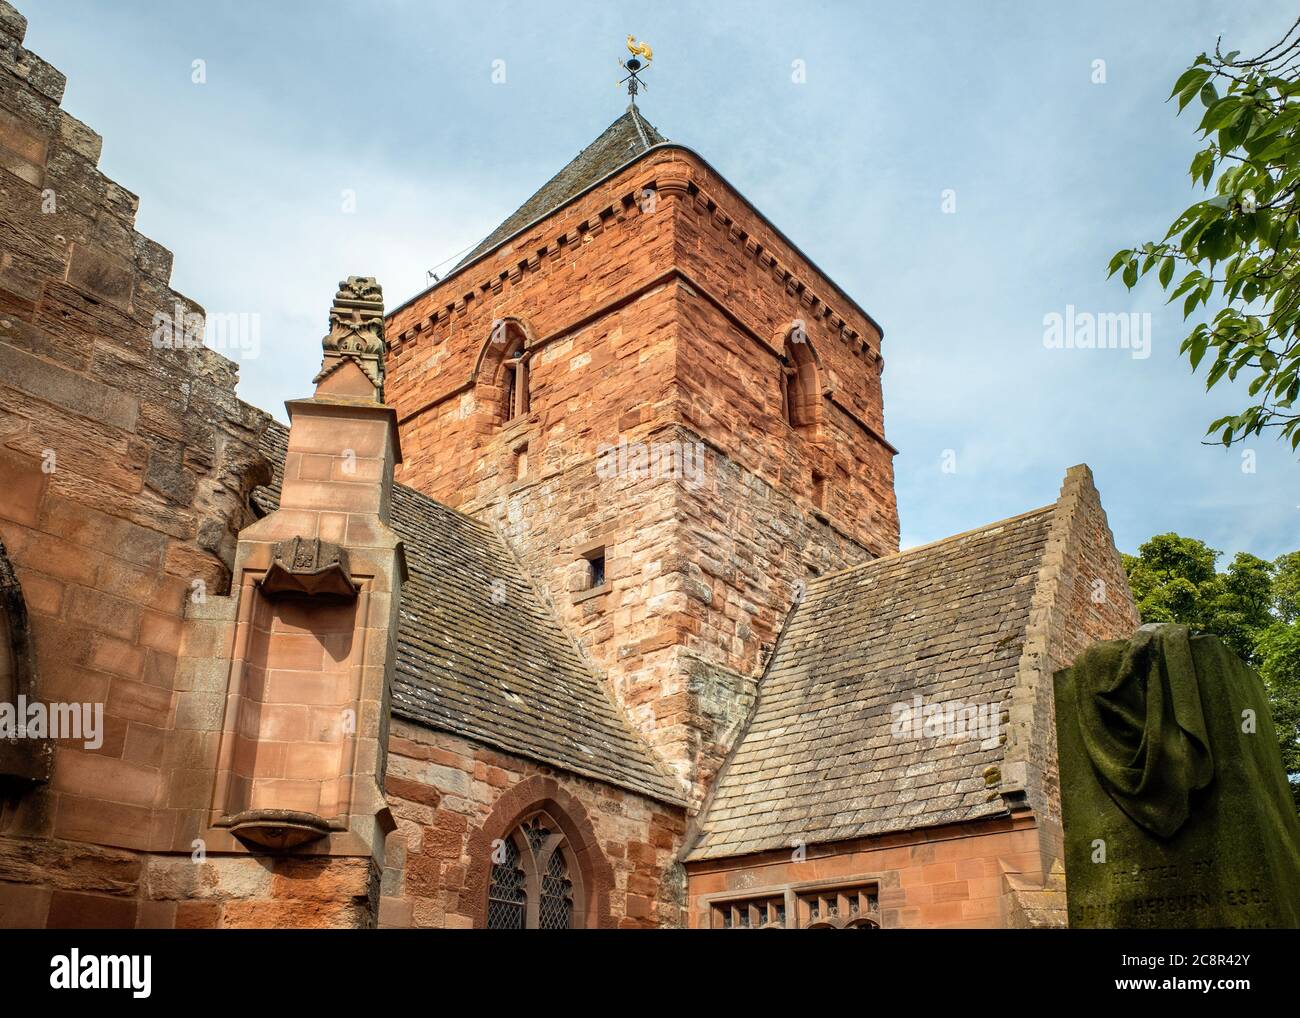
(502, 371)
(800, 388)
(534, 881)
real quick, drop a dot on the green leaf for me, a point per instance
(1199, 345)
(1221, 114)
(1193, 76)
(1166, 271)
(1192, 278)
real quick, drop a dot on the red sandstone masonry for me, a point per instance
(653, 327)
(954, 877)
(1082, 595)
(126, 475)
(452, 798)
(649, 327)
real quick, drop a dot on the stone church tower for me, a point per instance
(671, 413)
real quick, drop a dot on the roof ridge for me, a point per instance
(637, 120)
(817, 581)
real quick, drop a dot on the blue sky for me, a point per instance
(243, 178)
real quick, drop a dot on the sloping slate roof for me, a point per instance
(624, 140)
(820, 761)
(503, 674)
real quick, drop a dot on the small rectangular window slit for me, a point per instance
(593, 579)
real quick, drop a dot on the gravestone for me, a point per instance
(1177, 811)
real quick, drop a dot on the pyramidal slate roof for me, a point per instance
(821, 761)
(625, 139)
(496, 669)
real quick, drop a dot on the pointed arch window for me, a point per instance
(502, 371)
(800, 386)
(534, 882)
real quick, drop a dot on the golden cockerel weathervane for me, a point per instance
(634, 65)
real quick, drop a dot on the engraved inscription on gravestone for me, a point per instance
(1177, 811)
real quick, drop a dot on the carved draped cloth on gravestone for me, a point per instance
(1170, 767)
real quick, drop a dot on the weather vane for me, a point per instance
(634, 66)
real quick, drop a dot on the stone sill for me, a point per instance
(518, 424)
(587, 595)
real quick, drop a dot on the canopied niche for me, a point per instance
(316, 603)
(801, 387)
(289, 750)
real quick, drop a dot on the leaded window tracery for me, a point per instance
(534, 883)
(506, 894)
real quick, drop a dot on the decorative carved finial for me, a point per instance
(356, 331)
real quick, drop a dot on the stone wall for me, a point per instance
(452, 799)
(127, 463)
(1082, 596)
(126, 474)
(953, 877)
(748, 286)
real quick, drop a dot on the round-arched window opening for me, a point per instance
(502, 370)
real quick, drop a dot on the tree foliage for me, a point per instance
(1238, 251)
(1253, 606)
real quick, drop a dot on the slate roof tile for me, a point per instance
(820, 761)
